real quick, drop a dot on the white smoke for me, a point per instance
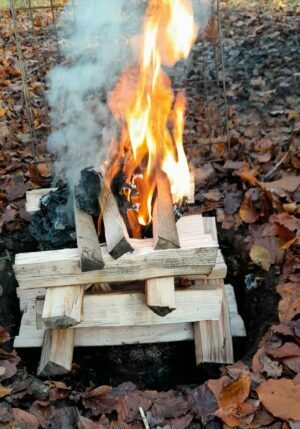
(94, 50)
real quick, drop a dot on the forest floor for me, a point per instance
(253, 189)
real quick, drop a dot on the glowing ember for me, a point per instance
(152, 117)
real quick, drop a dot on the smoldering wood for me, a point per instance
(116, 234)
(165, 233)
(87, 241)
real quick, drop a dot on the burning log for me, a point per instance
(117, 238)
(87, 241)
(57, 352)
(165, 233)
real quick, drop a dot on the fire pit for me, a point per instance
(172, 272)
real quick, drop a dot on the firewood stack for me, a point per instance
(127, 290)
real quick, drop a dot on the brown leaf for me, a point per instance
(236, 392)
(182, 422)
(248, 212)
(4, 391)
(289, 306)
(204, 404)
(261, 257)
(84, 423)
(17, 418)
(288, 183)
(287, 350)
(41, 410)
(211, 31)
(281, 398)
(216, 386)
(293, 363)
(247, 175)
(4, 335)
(288, 221)
(8, 361)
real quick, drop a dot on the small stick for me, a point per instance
(144, 418)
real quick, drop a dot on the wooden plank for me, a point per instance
(87, 241)
(129, 309)
(116, 234)
(63, 306)
(30, 336)
(213, 340)
(57, 352)
(197, 256)
(165, 235)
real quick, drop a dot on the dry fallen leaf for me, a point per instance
(248, 212)
(281, 398)
(4, 391)
(211, 31)
(288, 183)
(261, 257)
(289, 305)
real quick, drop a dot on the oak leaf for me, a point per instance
(281, 398)
(289, 305)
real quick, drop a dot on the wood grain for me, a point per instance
(116, 234)
(160, 295)
(57, 352)
(87, 241)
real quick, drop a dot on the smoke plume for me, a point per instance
(94, 47)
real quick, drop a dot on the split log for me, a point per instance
(213, 340)
(197, 256)
(160, 295)
(87, 241)
(165, 233)
(128, 309)
(30, 336)
(116, 234)
(63, 306)
(57, 352)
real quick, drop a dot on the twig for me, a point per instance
(144, 418)
(277, 165)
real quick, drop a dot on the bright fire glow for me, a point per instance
(144, 103)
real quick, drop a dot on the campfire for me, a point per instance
(148, 159)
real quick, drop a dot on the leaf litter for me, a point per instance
(254, 187)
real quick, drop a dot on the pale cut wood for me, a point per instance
(213, 340)
(33, 199)
(57, 352)
(63, 306)
(165, 235)
(129, 309)
(30, 336)
(87, 241)
(116, 235)
(160, 295)
(237, 323)
(197, 256)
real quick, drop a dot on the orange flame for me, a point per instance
(144, 103)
